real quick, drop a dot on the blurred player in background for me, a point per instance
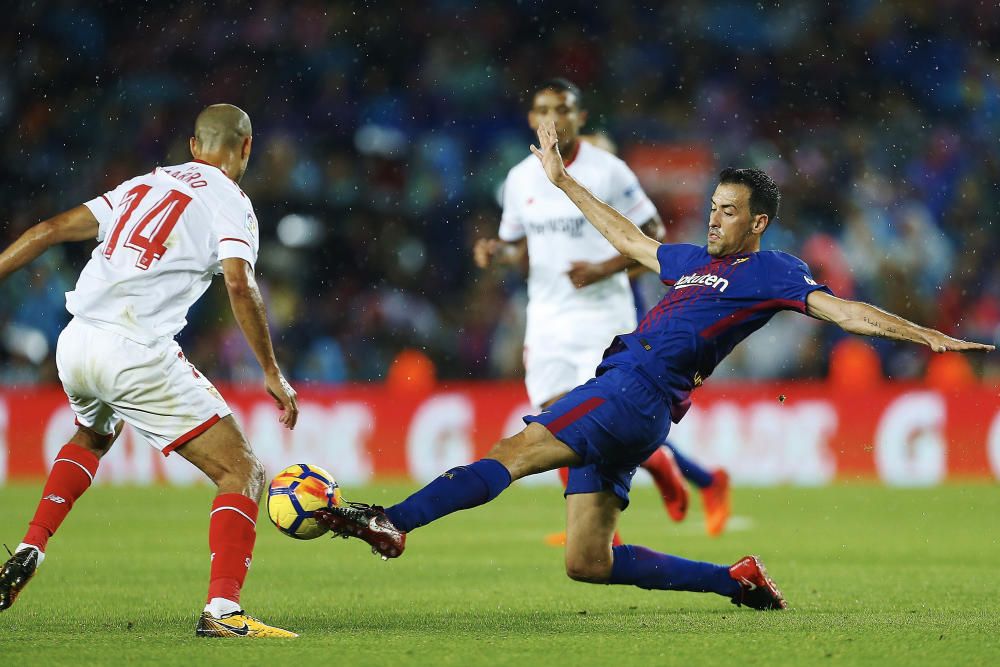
(579, 296)
(161, 238)
(721, 293)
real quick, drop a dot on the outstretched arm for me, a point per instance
(76, 224)
(248, 307)
(867, 320)
(616, 228)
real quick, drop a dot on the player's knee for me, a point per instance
(257, 477)
(588, 571)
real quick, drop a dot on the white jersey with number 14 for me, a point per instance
(162, 236)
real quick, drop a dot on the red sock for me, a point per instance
(231, 534)
(72, 473)
(564, 476)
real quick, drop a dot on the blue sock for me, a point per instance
(460, 488)
(692, 472)
(649, 569)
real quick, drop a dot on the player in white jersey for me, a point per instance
(578, 287)
(161, 237)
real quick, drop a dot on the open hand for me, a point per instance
(549, 152)
(283, 394)
(940, 342)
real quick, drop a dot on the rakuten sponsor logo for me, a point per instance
(707, 279)
(910, 446)
(763, 442)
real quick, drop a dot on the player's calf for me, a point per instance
(588, 571)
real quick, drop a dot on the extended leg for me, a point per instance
(531, 451)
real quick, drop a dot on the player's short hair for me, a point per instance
(560, 85)
(765, 196)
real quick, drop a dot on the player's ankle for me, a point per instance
(219, 607)
(24, 545)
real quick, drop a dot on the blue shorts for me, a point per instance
(614, 422)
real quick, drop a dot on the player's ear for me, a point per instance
(760, 223)
(582, 115)
(193, 144)
(247, 143)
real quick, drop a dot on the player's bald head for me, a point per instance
(221, 126)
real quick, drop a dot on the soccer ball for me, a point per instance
(295, 493)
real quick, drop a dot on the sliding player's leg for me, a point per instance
(531, 451)
(591, 520)
(562, 435)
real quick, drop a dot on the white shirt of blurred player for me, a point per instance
(192, 212)
(562, 318)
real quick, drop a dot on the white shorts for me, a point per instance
(548, 376)
(110, 379)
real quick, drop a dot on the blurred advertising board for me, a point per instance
(776, 433)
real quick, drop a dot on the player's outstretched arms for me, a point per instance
(76, 224)
(248, 307)
(867, 320)
(494, 251)
(616, 228)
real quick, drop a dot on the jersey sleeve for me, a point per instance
(677, 258)
(791, 282)
(103, 208)
(237, 231)
(511, 225)
(626, 195)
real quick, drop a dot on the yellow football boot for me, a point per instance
(238, 624)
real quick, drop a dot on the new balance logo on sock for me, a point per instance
(54, 498)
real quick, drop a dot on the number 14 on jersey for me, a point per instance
(149, 234)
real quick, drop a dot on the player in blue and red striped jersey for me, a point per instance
(721, 293)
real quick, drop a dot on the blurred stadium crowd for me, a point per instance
(382, 135)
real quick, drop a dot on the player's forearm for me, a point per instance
(614, 226)
(868, 320)
(28, 247)
(248, 308)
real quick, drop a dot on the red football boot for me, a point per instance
(757, 590)
(365, 522)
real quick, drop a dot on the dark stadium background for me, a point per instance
(383, 132)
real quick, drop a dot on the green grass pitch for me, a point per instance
(873, 576)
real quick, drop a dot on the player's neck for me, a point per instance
(570, 151)
(213, 162)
